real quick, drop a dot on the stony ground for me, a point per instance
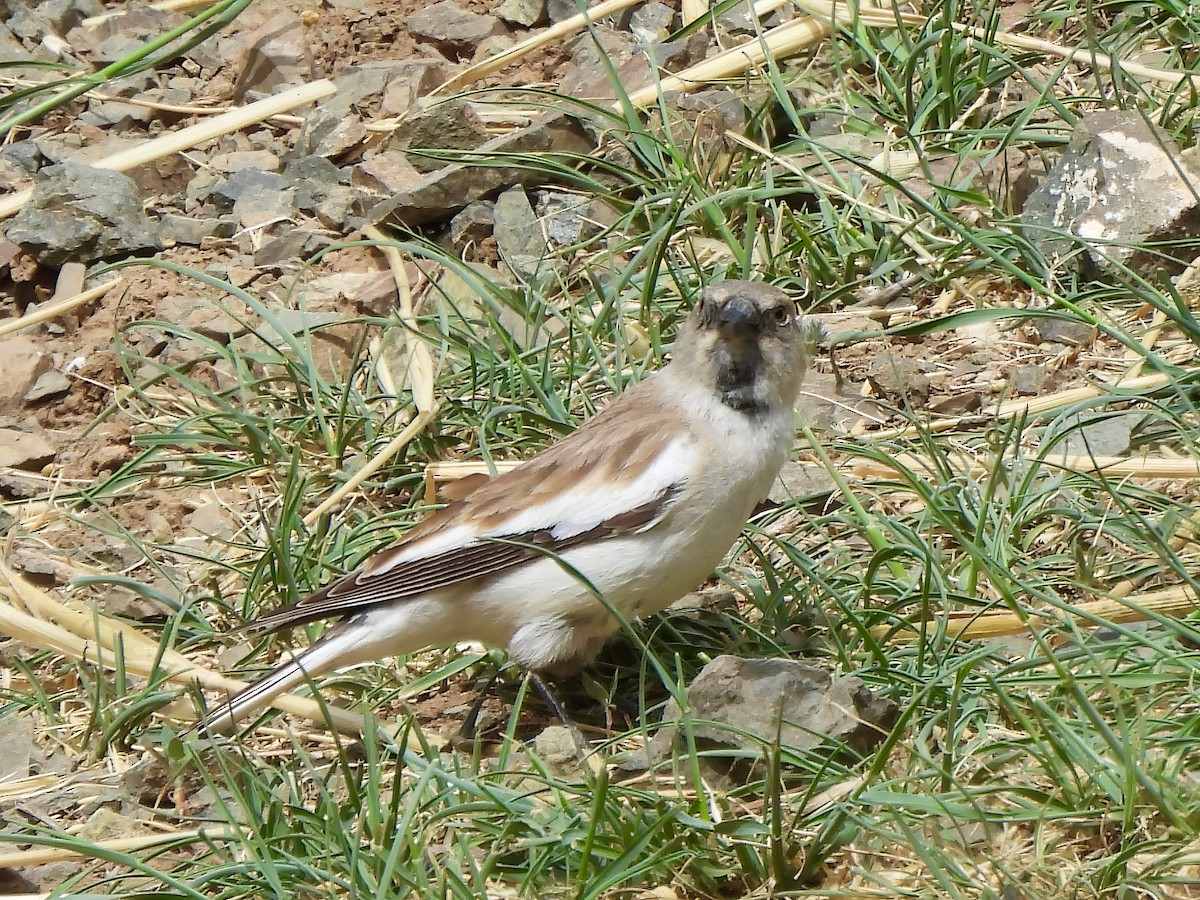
(256, 206)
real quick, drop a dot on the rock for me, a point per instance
(741, 20)
(755, 702)
(898, 379)
(1028, 381)
(597, 53)
(275, 55)
(237, 160)
(211, 519)
(453, 30)
(78, 213)
(449, 125)
(1011, 177)
(392, 86)
(453, 187)
(193, 232)
(522, 12)
(120, 601)
(568, 219)
(373, 292)
(28, 450)
(25, 361)
(48, 386)
(713, 599)
(556, 746)
(518, 232)
(799, 480)
(194, 314)
(387, 172)
(474, 223)
(1094, 434)
(1120, 183)
(17, 747)
(1063, 330)
(712, 112)
(325, 336)
(561, 10)
(652, 22)
(256, 197)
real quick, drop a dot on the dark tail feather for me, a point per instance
(320, 657)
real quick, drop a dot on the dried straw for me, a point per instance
(175, 141)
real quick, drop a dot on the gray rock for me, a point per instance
(25, 154)
(560, 10)
(451, 188)
(474, 223)
(78, 213)
(387, 172)
(197, 315)
(898, 379)
(387, 87)
(449, 125)
(237, 160)
(572, 218)
(119, 600)
(48, 386)
(755, 702)
(712, 112)
(17, 747)
(652, 22)
(453, 30)
(1095, 434)
(256, 197)
(556, 746)
(25, 361)
(1120, 183)
(1028, 381)
(800, 480)
(28, 450)
(275, 55)
(192, 232)
(314, 168)
(597, 53)
(518, 232)
(522, 12)
(1071, 332)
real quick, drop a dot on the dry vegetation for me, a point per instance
(1026, 602)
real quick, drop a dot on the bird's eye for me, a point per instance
(781, 316)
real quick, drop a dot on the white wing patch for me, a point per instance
(577, 509)
(587, 504)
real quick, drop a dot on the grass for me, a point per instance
(1058, 762)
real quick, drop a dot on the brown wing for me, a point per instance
(480, 536)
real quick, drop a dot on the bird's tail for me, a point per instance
(327, 653)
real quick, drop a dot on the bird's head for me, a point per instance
(744, 341)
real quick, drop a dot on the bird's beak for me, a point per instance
(739, 319)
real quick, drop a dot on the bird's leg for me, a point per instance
(582, 745)
(483, 687)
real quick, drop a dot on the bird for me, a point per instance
(640, 504)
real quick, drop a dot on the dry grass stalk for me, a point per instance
(1109, 466)
(43, 855)
(1175, 602)
(419, 376)
(1030, 407)
(57, 308)
(85, 635)
(166, 5)
(778, 43)
(833, 11)
(175, 141)
(523, 48)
